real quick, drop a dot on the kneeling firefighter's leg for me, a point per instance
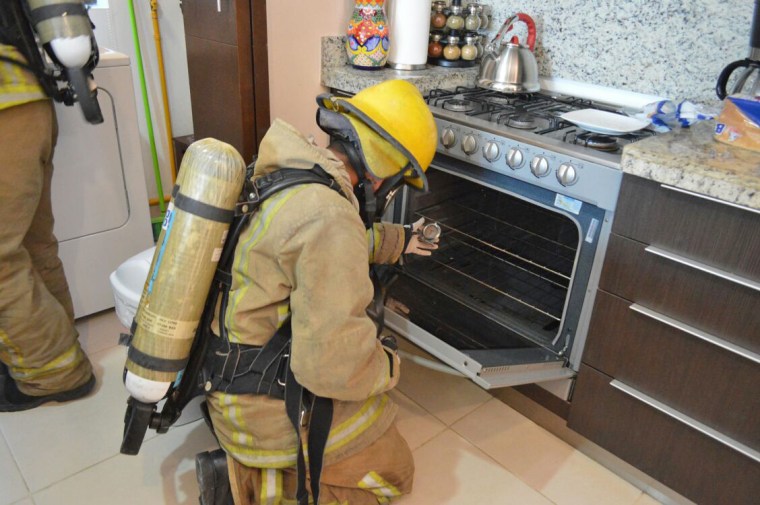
(213, 478)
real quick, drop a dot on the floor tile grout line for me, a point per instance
(15, 463)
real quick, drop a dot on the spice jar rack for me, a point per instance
(457, 33)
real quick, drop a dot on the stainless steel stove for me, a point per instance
(526, 201)
(522, 136)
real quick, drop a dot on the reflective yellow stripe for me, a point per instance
(380, 487)
(271, 486)
(233, 414)
(371, 243)
(17, 85)
(283, 311)
(339, 436)
(357, 424)
(11, 352)
(256, 230)
(68, 360)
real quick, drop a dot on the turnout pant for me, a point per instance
(375, 475)
(38, 340)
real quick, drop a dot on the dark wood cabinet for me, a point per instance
(697, 466)
(670, 375)
(228, 71)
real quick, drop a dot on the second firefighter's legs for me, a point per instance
(38, 341)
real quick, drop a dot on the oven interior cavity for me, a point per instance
(501, 276)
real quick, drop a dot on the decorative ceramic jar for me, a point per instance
(367, 35)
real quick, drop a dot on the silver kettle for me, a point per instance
(507, 65)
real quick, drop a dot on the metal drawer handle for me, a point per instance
(736, 279)
(688, 421)
(710, 198)
(719, 342)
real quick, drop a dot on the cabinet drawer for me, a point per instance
(681, 457)
(714, 233)
(710, 384)
(704, 301)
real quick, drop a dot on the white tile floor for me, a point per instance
(469, 448)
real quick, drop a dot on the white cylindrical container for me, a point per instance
(409, 26)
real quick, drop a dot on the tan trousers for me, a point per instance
(38, 341)
(379, 473)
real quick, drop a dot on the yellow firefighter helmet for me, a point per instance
(392, 124)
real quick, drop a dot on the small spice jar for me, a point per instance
(479, 45)
(472, 21)
(438, 18)
(451, 51)
(435, 48)
(484, 19)
(470, 49)
(455, 21)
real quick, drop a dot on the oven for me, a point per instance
(525, 202)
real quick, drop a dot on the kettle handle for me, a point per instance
(720, 87)
(520, 16)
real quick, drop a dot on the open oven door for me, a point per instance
(502, 298)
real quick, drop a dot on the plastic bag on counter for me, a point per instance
(666, 114)
(739, 122)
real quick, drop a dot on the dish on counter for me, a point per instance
(608, 123)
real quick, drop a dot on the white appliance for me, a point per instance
(100, 200)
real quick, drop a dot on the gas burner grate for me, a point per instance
(537, 113)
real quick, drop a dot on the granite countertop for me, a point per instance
(338, 74)
(692, 160)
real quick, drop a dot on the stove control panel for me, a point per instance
(574, 177)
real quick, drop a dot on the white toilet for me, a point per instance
(127, 283)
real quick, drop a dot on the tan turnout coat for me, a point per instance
(305, 252)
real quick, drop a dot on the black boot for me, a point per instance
(213, 478)
(13, 400)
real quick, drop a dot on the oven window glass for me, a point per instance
(501, 276)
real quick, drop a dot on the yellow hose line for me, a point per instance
(164, 95)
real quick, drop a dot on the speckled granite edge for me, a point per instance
(692, 160)
(338, 74)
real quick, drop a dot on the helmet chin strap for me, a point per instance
(364, 192)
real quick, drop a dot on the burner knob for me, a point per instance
(469, 144)
(567, 175)
(491, 151)
(515, 158)
(448, 138)
(539, 166)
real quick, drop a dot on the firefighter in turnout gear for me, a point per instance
(302, 261)
(40, 356)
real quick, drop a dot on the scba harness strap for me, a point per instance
(235, 368)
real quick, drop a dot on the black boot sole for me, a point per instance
(14, 400)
